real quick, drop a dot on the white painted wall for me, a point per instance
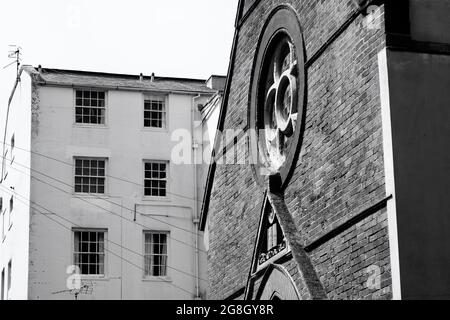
(14, 244)
(126, 144)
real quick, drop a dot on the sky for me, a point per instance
(177, 38)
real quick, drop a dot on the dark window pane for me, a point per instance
(84, 247)
(84, 269)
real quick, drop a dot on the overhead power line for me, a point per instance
(104, 209)
(132, 210)
(48, 211)
(106, 175)
(105, 248)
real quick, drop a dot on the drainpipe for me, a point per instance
(195, 215)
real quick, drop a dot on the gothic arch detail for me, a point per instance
(277, 284)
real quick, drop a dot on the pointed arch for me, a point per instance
(277, 284)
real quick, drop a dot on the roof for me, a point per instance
(75, 78)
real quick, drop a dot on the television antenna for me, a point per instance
(15, 53)
(87, 287)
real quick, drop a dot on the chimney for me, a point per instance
(153, 77)
(141, 77)
(216, 82)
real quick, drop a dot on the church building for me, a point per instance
(332, 166)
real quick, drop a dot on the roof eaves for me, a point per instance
(117, 87)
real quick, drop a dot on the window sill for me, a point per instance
(94, 278)
(157, 279)
(150, 129)
(156, 199)
(90, 196)
(91, 126)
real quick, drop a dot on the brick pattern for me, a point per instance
(340, 169)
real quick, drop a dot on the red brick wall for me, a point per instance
(340, 169)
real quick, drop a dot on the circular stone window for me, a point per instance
(278, 96)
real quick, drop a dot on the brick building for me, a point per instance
(335, 184)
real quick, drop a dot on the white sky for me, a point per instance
(179, 38)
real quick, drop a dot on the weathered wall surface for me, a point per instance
(125, 144)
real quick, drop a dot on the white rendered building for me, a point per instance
(93, 204)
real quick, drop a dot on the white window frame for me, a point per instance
(150, 197)
(105, 191)
(105, 249)
(165, 99)
(90, 125)
(152, 277)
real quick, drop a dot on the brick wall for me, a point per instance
(340, 169)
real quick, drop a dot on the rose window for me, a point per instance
(280, 103)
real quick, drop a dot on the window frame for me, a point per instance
(83, 194)
(146, 277)
(13, 144)
(74, 102)
(165, 98)
(2, 284)
(105, 250)
(9, 280)
(150, 197)
(10, 214)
